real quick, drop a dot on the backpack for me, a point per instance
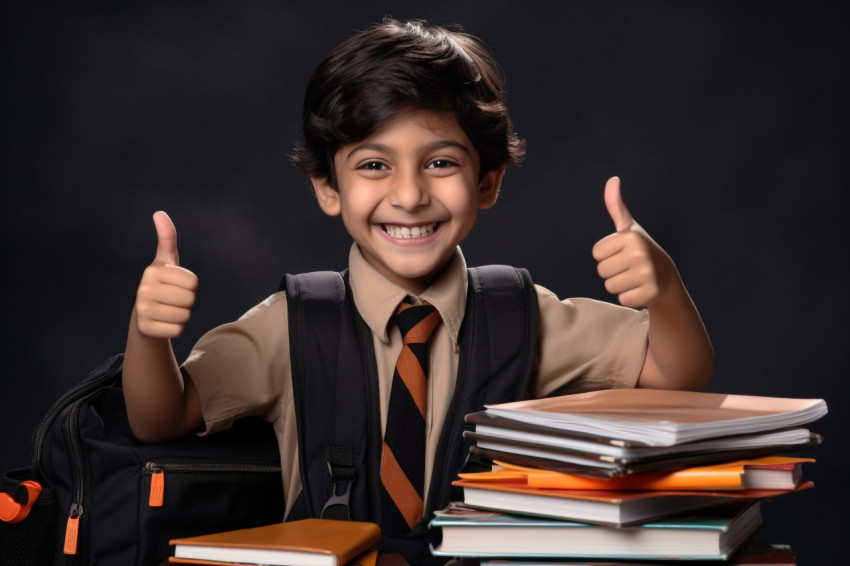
(336, 398)
(93, 494)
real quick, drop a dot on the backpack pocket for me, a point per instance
(28, 541)
(96, 479)
(181, 497)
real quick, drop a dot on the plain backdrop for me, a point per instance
(727, 122)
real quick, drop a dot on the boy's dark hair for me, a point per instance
(395, 65)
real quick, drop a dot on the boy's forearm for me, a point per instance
(679, 354)
(161, 404)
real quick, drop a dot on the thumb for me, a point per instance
(616, 207)
(166, 235)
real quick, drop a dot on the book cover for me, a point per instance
(309, 542)
(628, 454)
(661, 417)
(495, 420)
(602, 507)
(710, 535)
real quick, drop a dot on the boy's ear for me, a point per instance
(488, 188)
(327, 196)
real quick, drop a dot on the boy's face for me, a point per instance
(409, 194)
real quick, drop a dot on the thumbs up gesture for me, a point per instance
(167, 291)
(633, 266)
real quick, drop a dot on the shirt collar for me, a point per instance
(376, 297)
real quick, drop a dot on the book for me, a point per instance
(776, 472)
(770, 472)
(309, 542)
(617, 458)
(712, 535)
(654, 417)
(493, 425)
(602, 507)
(518, 433)
(603, 468)
(755, 552)
(368, 558)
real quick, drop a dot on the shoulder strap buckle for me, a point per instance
(341, 476)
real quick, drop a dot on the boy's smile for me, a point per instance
(404, 232)
(409, 194)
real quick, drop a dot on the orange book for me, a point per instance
(689, 479)
(309, 542)
(771, 472)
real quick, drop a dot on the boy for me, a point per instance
(406, 137)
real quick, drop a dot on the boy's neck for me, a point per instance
(414, 286)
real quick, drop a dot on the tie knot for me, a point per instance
(416, 322)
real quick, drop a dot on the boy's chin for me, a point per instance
(414, 275)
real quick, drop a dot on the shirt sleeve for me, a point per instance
(587, 345)
(242, 368)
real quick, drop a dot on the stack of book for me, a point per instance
(628, 475)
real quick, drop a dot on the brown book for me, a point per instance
(309, 542)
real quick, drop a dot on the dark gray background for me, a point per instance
(728, 123)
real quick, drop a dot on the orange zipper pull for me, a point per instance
(157, 495)
(72, 529)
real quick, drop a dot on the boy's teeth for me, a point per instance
(404, 232)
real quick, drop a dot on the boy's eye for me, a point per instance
(373, 166)
(440, 164)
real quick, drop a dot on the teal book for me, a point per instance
(714, 534)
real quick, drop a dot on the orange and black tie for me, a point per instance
(403, 458)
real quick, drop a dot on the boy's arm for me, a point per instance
(162, 401)
(641, 274)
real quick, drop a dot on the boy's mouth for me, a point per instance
(410, 232)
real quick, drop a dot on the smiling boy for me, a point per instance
(406, 137)
(409, 194)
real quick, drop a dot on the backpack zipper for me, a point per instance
(81, 389)
(73, 399)
(158, 469)
(78, 471)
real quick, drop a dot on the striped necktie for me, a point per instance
(403, 458)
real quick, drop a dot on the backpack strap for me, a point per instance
(332, 360)
(506, 302)
(498, 346)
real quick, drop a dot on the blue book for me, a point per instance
(714, 534)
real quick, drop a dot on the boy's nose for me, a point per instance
(409, 192)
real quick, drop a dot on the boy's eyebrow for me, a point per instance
(387, 149)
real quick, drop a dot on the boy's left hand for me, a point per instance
(633, 266)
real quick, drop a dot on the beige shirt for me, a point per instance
(242, 368)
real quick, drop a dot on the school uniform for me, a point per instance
(243, 368)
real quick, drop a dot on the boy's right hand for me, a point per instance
(167, 291)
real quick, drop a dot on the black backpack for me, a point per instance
(96, 480)
(334, 379)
